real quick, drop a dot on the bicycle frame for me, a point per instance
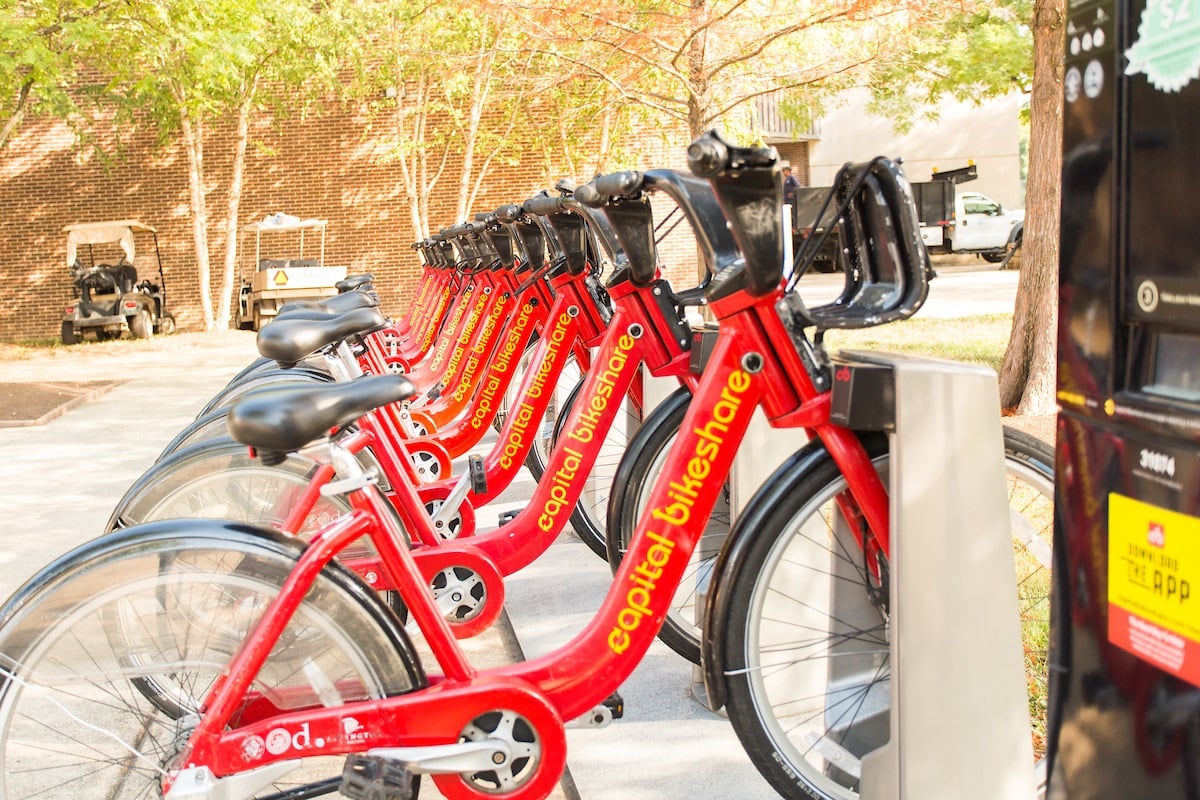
(527, 316)
(410, 345)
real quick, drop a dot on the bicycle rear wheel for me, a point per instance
(219, 479)
(205, 428)
(109, 651)
(262, 380)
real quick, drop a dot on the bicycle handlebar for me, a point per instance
(709, 156)
(508, 212)
(588, 196)
(632, 220)
(544, 205)
(619, 184)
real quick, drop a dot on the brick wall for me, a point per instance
(324, 168)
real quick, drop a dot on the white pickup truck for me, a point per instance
(953, 220)
(975, 223)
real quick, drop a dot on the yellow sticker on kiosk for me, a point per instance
(1153, 578)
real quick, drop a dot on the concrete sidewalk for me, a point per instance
(59, 483)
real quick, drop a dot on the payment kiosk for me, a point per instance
(1125, 686)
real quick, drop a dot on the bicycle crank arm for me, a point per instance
(447, 759)
(197, 783)
(599, 717)
(450, 507)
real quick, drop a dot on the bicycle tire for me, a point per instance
(259, 363)
(263, 379)
(108, 651)
(220, 480)
(589, 517)
(211, 423)
(206, 427)
(315, 363)
(795, 752)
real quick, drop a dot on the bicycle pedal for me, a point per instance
(479, 484)
(373, 778)
(435, 392)
(612, 707)
(616, 704)
(508, 516)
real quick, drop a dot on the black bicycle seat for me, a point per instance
(297, 336)
(283, 419)
(337, 304)
(351, 282)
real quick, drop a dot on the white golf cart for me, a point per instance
(272, 282)
(108, 297)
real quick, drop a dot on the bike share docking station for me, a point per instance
(954, 713)
(1124, 700)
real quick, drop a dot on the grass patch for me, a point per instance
(975, 340)
(193, 341)
(28, 348)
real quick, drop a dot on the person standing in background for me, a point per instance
(790, 185)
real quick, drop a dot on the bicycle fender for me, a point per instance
(732, 556)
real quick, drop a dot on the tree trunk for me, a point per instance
(606, 139)
(404, 158)
(18, 113)
(225, 303)
(1028, 373)
(699, 99)
(480, 89)
(193, 143)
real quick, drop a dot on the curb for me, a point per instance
(69, 404)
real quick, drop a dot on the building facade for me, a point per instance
(987, 134)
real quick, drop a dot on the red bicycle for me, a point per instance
(645, 330)
(214, 659)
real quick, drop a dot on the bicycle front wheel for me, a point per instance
(806, 651)
(108, 653)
